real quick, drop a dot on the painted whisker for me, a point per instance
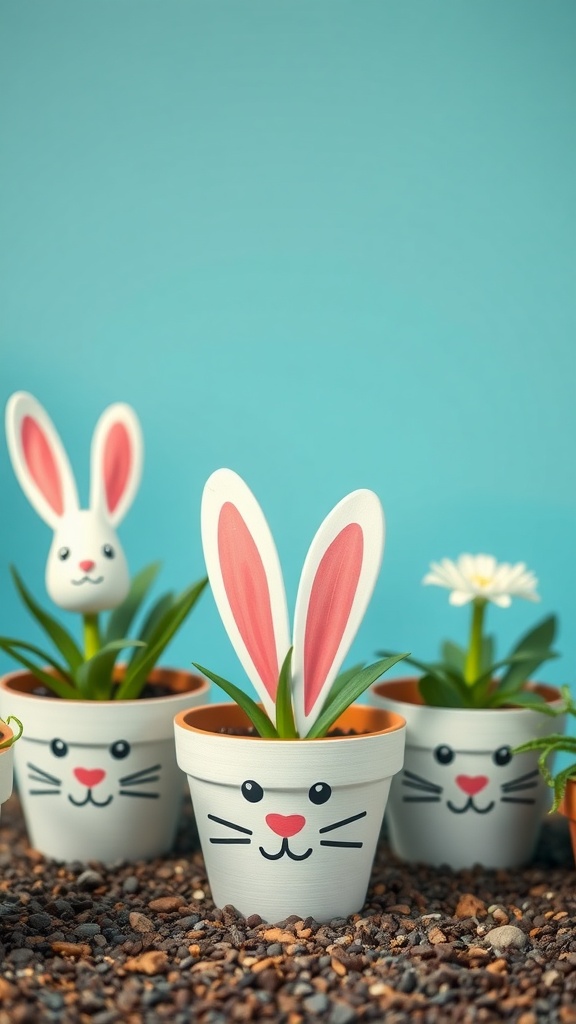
(518, 800)
(518, 783)
(418, 785)
(229, 842)
(339, 824)
(328, 842)
(421, 799)
(129, 792)
(230, 824)
(45, 775)
(44, 792)
(425, 783)
(135, 775)
(140, 782)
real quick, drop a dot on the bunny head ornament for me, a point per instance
(86, 570)
(337, 581)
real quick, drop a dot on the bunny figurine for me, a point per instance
(289, 821)
(86, 570)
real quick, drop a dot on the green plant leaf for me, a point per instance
(285, 724)
(442, 693)
(349, 693)
(94, 677)
(341, 681)
(560, 782)
(487, 653)
(536, 641)
(61, 638)
(150, 623)
(122, 617)
(259, 718)
(16, 736)
(521, 699)
(453, 656)
(160, 636)
(60, 687)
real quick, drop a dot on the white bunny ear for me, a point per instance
(115, 462)
(246, 580)
(336, 584)
(39, 459)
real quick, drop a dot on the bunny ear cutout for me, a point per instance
(336, 585)
(39, 459)
(246, 580)
(116, 462)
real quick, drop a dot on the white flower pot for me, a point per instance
(289, 826)
(461, 799)
(98, 780)
(6, 763)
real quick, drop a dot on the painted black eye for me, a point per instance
(120, 749)
(59, 748)
(252, 792)
(108, 551)
(320, 793)
(444, 754)
(63, 554)
(502, 756)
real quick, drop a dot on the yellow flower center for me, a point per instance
(482, 581)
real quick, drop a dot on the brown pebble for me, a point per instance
(166, 904)
(278, 935)
(470, 906)
(140, 923)
(436, 935)
(497, 967)
(398, 908)
(338, 966)
(7, 991)
(154, 961)
(71, 948)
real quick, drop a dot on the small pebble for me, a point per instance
(89, 880)
(506, 935)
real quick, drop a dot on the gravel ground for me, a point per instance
(144, 943)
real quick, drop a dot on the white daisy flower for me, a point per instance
(481, 576)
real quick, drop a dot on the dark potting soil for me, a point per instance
(144, 943)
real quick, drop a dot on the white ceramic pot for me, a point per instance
(462, 798)
(6, 763)
(98, 780)
(289, 826)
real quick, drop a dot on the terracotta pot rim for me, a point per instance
(228, 708)
(568, 803)
(6, 733)
(161, 674)
(385, 690)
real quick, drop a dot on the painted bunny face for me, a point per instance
(276, 830)
(469, 783)
(90, 775)
(86, 570)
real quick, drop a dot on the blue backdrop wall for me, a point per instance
(328, 244)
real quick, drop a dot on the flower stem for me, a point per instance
(473, 666)
(92, 642)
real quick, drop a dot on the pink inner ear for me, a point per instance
(41, 464)
(116, 464)
(331, 600)
(248, 593)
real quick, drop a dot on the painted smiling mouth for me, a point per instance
(285, 849)
(89, 799)
(469, 806)
(87, 579)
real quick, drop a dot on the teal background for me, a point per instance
(328, 244)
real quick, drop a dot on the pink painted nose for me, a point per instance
(87, 565)
(285, 825)
(472, 784)
(89, 776)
